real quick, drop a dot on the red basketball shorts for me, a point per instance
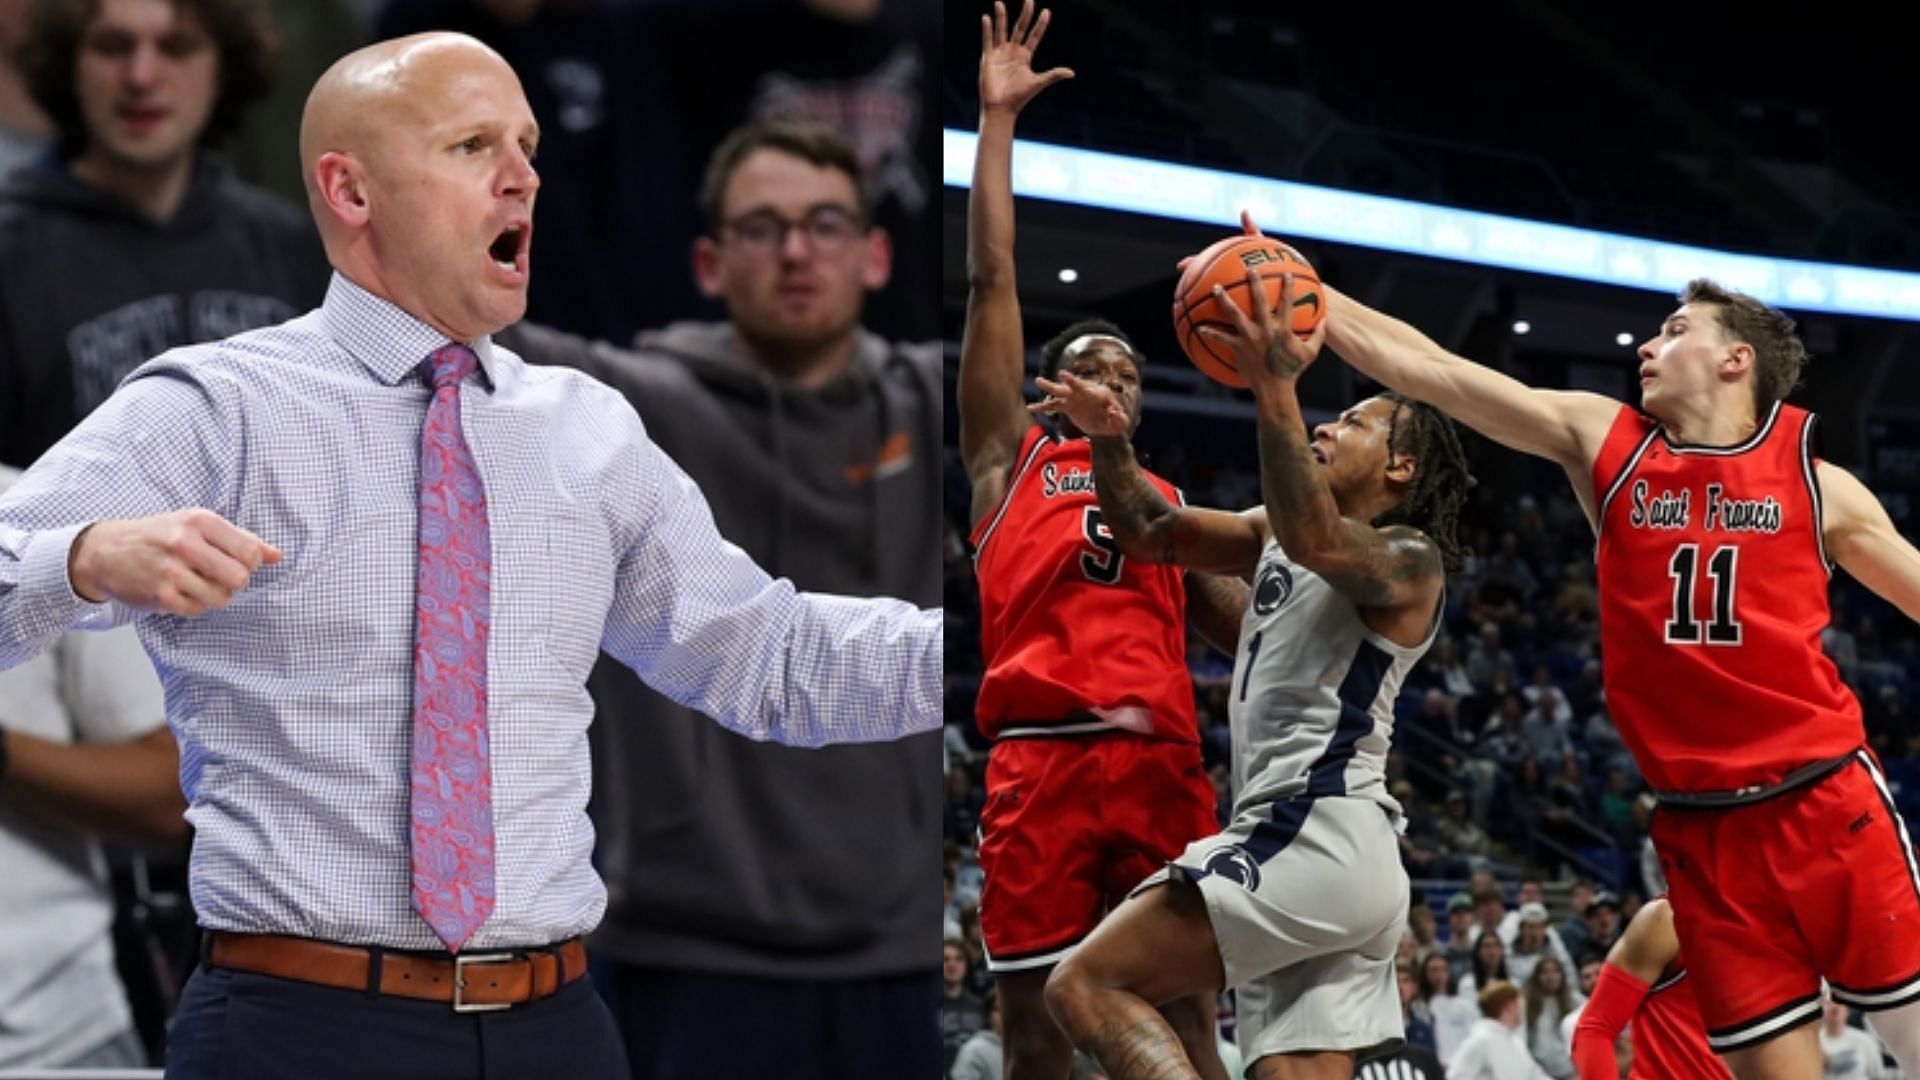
(1770, 898)
(1071, 824)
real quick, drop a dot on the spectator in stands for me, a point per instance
(1543, 693)
(1527, 802)
(962, 811)
(1547, 725)
(1587, 700)
(1489, 965)
(950, 913)
(1407, 949)
(84, 752)
(1449, 672)
(1419, 1027)
(1421, 923)
(1534, 943)
(1460, 933)
(1603, 740)
(1849, 1052)
(978, 978)
(1509, 560)
(1602, 918)
(868, 68)
(1531, 890)
(1566, 819)
(1487, 658)
(980, 1057)
(1616, 807)
(25, 130)
(1450, 1015)
(131, 238)
(1549, 1001)
(962, 1012)
(816, 442)
(1590, 965)
(1439, 718)
(1495, 1048)
(1579, 896)
(1458, 834)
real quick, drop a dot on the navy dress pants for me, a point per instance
(236, 1025)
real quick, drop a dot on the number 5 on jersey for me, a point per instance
(1102, 564)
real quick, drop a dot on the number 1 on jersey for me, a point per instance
(1721, 565)
(1253, 653)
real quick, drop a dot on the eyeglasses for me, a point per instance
(828, 229)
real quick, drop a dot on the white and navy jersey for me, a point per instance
(1313, 691)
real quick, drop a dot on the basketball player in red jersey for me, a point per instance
(1717, 530)
(1644, 982)
(1095, 780)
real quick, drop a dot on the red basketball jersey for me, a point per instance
(1068, 624)
(1669, 1038)
(1713, 593)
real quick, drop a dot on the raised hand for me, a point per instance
(1247, 228)
(1091, 406)
(1266, 348)
(1007, 78)
(188, 562)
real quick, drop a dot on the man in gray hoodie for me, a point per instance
(774, 912)
(131, 237)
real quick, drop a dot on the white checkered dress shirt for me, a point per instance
(294, 706)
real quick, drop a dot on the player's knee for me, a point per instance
(1068, 987)
(1034, 1035)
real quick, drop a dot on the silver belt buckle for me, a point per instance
(460, 963)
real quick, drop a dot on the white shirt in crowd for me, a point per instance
(1494, 1051)
(1852, 1055)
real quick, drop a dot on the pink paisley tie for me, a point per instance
(452, 813)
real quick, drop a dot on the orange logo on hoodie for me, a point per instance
(895, 454)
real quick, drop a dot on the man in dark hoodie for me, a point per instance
(775, 913)
(129, 240)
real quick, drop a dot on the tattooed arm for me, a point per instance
(1148, 526)
(1215, 605)
(1394, 568)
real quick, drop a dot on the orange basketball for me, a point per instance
(1226, 264)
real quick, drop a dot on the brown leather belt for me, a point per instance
(473, 982)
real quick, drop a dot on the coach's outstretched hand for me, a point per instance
(1092, 407)
(1007, 78)
(187, 562)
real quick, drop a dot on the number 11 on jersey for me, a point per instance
(1722, 565)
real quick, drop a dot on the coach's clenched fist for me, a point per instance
(184, 563)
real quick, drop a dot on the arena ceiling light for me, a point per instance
(1521, 326)
(1623, 339)
(1069, 275)
(1186, 193)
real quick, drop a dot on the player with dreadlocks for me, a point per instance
(1299, 903)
